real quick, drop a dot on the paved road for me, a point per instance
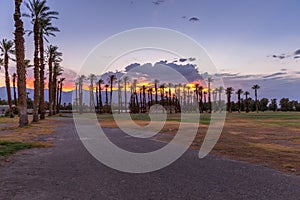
(68, 171)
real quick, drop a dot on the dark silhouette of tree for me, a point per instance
(246, 93)
(7, 49)
(21, 69)
(229, 91)
(209, 81)
(100, 82)
(14, 78)
(273, 105)
(125, 80)
(239, 92)
(255, 88)
(112, 79)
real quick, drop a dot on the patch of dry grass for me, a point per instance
(30, 134)
(269, 139)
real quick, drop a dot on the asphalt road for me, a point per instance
(68, 171)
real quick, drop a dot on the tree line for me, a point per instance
(174, 98)
(41, 18)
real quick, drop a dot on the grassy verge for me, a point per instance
(13, 138)
(7, 148)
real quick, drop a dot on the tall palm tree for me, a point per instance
(156, 88)
(162, 91)
(76, 94)
(54, 58)
(7, 49)
(14, 78)
(80, 88)
(46, 29)
(220, 90)
(247, 101)
(92, 78)
(106, 94)
(200, 92)
(100, 82)
(125, 80)
(229, 91)
(255, 88)
(60, 86)
(112, 79)
(239, 92)
(57, 71)
(38, 11)
(119, 96)
(170, 85)
(209, 81)
(21, 70)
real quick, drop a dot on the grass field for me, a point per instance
(271, 138)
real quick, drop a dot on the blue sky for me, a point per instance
(239, 36)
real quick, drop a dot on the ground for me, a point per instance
(66, 170)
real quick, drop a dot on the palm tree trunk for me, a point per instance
(36, 72)
(57, 98)
(21, 70)
(15, 93)
(42, 75)
(125, 94)
(60, 91)
(50, 84)
(54, 93)
(7, 83)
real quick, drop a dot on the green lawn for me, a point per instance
(7, 148)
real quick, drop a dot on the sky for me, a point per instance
(248, 40)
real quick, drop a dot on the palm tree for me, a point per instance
(60, 86)
(106, 94)
(38, 12)
(170, 85)
(119, 96)
(162, 91)
(155, 88)
(220, 90)
(92, 78)
(209, 81)
(46, 29)
(80, 87)
(239, 92)
(100, 82)
(247, 103)
(125, 79)
(21, 70)
(54, 58)
(14, 78)
(200, 92)
(112, 79)
(76, 94)
(255, 88)
(57, 71)
(229, 91)
(7, 49)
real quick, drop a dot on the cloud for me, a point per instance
(274, 75)
(297, 52)
(194, 19)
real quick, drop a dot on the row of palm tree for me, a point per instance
(172, 97)
(41, 18)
